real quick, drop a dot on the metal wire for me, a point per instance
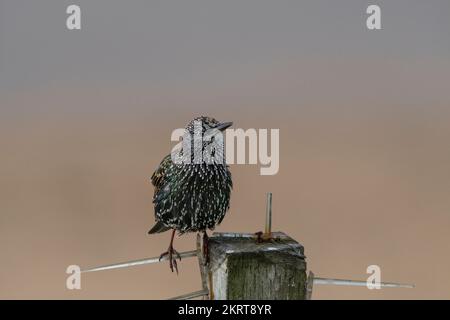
(134, 263)
(358, 283)
(191, 295)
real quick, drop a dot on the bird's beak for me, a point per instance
(224, 125)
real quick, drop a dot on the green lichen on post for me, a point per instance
(267, 275)
(273, 270)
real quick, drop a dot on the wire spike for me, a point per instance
(358, 283)
(134, 263)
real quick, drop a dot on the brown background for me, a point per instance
(87, 115)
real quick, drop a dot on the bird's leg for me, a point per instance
(205, 247)
(170, 254)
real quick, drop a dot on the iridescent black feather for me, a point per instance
(191, 197)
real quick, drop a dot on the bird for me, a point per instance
(192, 195)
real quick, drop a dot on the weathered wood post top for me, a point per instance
(241, 268)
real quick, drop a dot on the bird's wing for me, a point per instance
(158, 180)
(160, 172)
(159, 227)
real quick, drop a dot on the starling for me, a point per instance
(192, 195)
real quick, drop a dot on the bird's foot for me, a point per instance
(205, 248)
(262, 237)
(172, 256)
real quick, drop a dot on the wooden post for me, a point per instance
(309, 285)
(241, 268)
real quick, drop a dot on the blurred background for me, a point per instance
(86, 116)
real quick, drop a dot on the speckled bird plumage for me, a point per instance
(191, 197)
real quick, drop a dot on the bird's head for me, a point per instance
(209, 130)
(207, 124)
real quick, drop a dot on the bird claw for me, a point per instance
(172, 256)
(173, 264)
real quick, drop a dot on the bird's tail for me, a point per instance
(159, 227)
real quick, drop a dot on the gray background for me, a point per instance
(85, 117)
